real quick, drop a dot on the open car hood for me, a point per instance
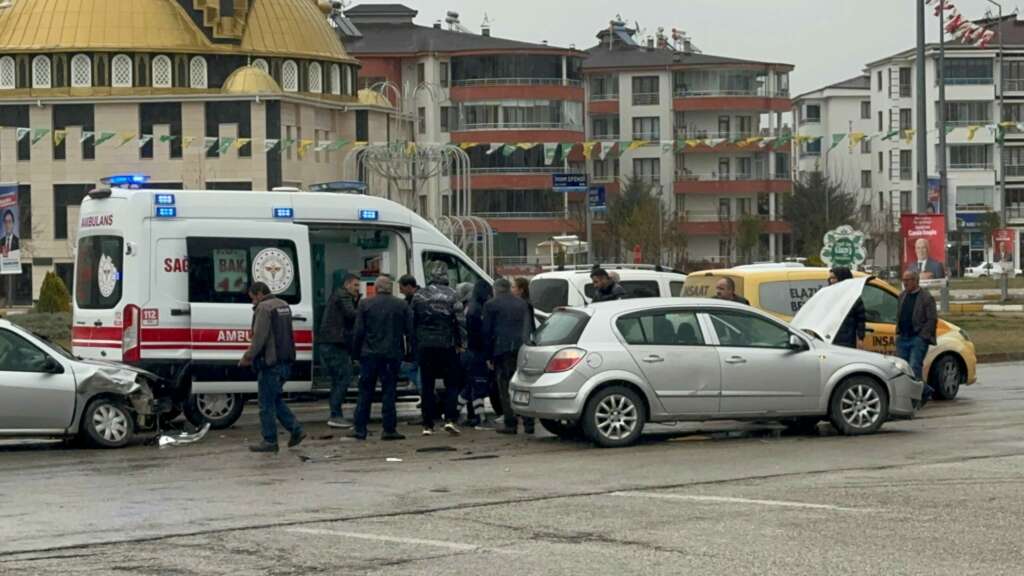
(824, 313)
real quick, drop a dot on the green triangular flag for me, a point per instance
(225, 145)
(338, 144)
(890, 135)
(950, 128)
(836, 139)
(550, 150)
(104, 136)
(508, 150)
(288, 143)
(38, 134)
(167, 138)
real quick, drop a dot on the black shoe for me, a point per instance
(263, 447)
(471, 422)
(506, 430)
(391, 436)
(357, 435)
(296, 439)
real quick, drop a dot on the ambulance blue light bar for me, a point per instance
(369, 215)
(126, 180)
(164, 199)
(166, 212)
(284, 213)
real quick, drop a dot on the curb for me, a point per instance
(1000, 357)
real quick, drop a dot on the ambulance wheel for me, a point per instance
(220, 410)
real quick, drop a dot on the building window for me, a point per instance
(606, 170)
(162, 72)
(645, 91)
(968, 71)
(41, 72)
(421, 73)
(881, 126)
(974, 198)
(905, 74)
(881, 163)
(261, 64)
(879, 81)
(604, 88)
(1013, 161)
(81, 71)
(970, 157)
(197, 72)
(421, 115)
(865, 110)
(812, 113)
(316, 78)
(290, 76)
(968, 113)
(121, 71)
(904, 201)
(865, 178)
(648, 170)
(335, 79)
(647, 128)
(447, 112)
(605, 127)
(865, 146)
(443, 73)
(906, 119)
(8, 74)
(906, 165)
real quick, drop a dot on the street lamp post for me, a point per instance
(1002, 143)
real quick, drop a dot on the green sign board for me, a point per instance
(844, 247)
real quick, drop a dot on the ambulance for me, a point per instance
(161, 278)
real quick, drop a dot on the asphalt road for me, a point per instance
(942, 494)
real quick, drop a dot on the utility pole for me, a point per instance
(1002, 145)
(922, 112)
(946, 205)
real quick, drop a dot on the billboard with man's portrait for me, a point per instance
(10, 235)
(924, 246)
(1003, 241)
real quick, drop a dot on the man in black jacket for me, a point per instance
(507, 326)
(853, 328)
(383, 327)
(439, 337)
(605, 289)
(916, 326)
(335, 345)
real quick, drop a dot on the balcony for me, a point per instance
(713, 223)
(518, 170)
(467, 127)
(516, 82)
(968, 166)
(604, 97)
(605, 137)
(685, 99)
(1014, 170)
(521, 215)
(645, 98)
(725, 184)
(1013, 84)
(652, 138)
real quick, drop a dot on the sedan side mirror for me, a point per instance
(51, 366)
(796, 343)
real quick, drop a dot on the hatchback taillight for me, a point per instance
(131, 350)
(565, 360)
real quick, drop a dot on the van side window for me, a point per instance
(458, 270)
(99, 272)
(633, 288)
(676, 288)
(787, 297)
(222, 269)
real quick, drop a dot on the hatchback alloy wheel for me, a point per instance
(614, 417)
(947, 378)
(859, 406)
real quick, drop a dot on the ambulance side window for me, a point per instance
(222, 269)
(99, 272)
(458, 271)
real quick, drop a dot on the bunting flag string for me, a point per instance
(145, 139)
(86, 136)
(38, 134)
(209, 142)
(59, 136)
(104, 137)
(168, 138)
(22, 133)
(242, 143)
(304, 146)
(187, 141)
(550, 150)
(270, 144)
(127, 137)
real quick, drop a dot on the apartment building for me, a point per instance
(657, 90)
(985, 143)
(477, 90)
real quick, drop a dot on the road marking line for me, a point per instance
(394, 539)
(732, 500)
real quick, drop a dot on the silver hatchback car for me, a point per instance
(608, 369)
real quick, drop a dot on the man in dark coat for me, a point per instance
(853, 328)
(507, 326)
(337, 328)
(916, 326)
(383, 328)
(605, 288)
(439, 336)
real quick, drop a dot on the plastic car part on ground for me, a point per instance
(183, 438)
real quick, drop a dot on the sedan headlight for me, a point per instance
(902, 366)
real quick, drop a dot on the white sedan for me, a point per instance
(45, 391)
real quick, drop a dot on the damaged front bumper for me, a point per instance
(146, 391)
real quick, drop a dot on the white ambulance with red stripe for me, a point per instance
(161, 278)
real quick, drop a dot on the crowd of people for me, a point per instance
(468, 337)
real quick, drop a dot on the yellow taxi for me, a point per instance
(782, 290)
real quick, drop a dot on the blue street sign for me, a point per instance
(569, 182)
(597, 198)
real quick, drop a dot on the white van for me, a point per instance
(161, 278)
(572, 286)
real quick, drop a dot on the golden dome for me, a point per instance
(291, 28)
(132, 25)
(369, 97)
(250, 80)
(276, 28)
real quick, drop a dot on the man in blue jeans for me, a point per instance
(915, 329)
(383, 326)
(271, 353)
(335, 345)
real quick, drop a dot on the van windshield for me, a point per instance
(546, 294)
(99, 272)
(703, 286)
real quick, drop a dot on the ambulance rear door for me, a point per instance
(166, 317)
(225, 257)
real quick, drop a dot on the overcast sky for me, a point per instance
(827, 40)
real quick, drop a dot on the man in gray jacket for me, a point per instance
(337, 328)
(915, 328)
(271, 353)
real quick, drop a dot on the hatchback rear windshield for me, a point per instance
(562, 328)
(99, 272)
(546, 294)
(633, 288)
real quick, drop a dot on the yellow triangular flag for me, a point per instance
(588, 148)
(908, 135)
(59, 136)
(693, 143)
(126, 137)
(241, 142)
(466, 145)
(856, 138)
(970, 132)
(304, 147)
(526, 145)
(637, 144)
(187, 141)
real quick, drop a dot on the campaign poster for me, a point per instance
(10, 235)
(924, 246)
(934, 196)
(1003, 241)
